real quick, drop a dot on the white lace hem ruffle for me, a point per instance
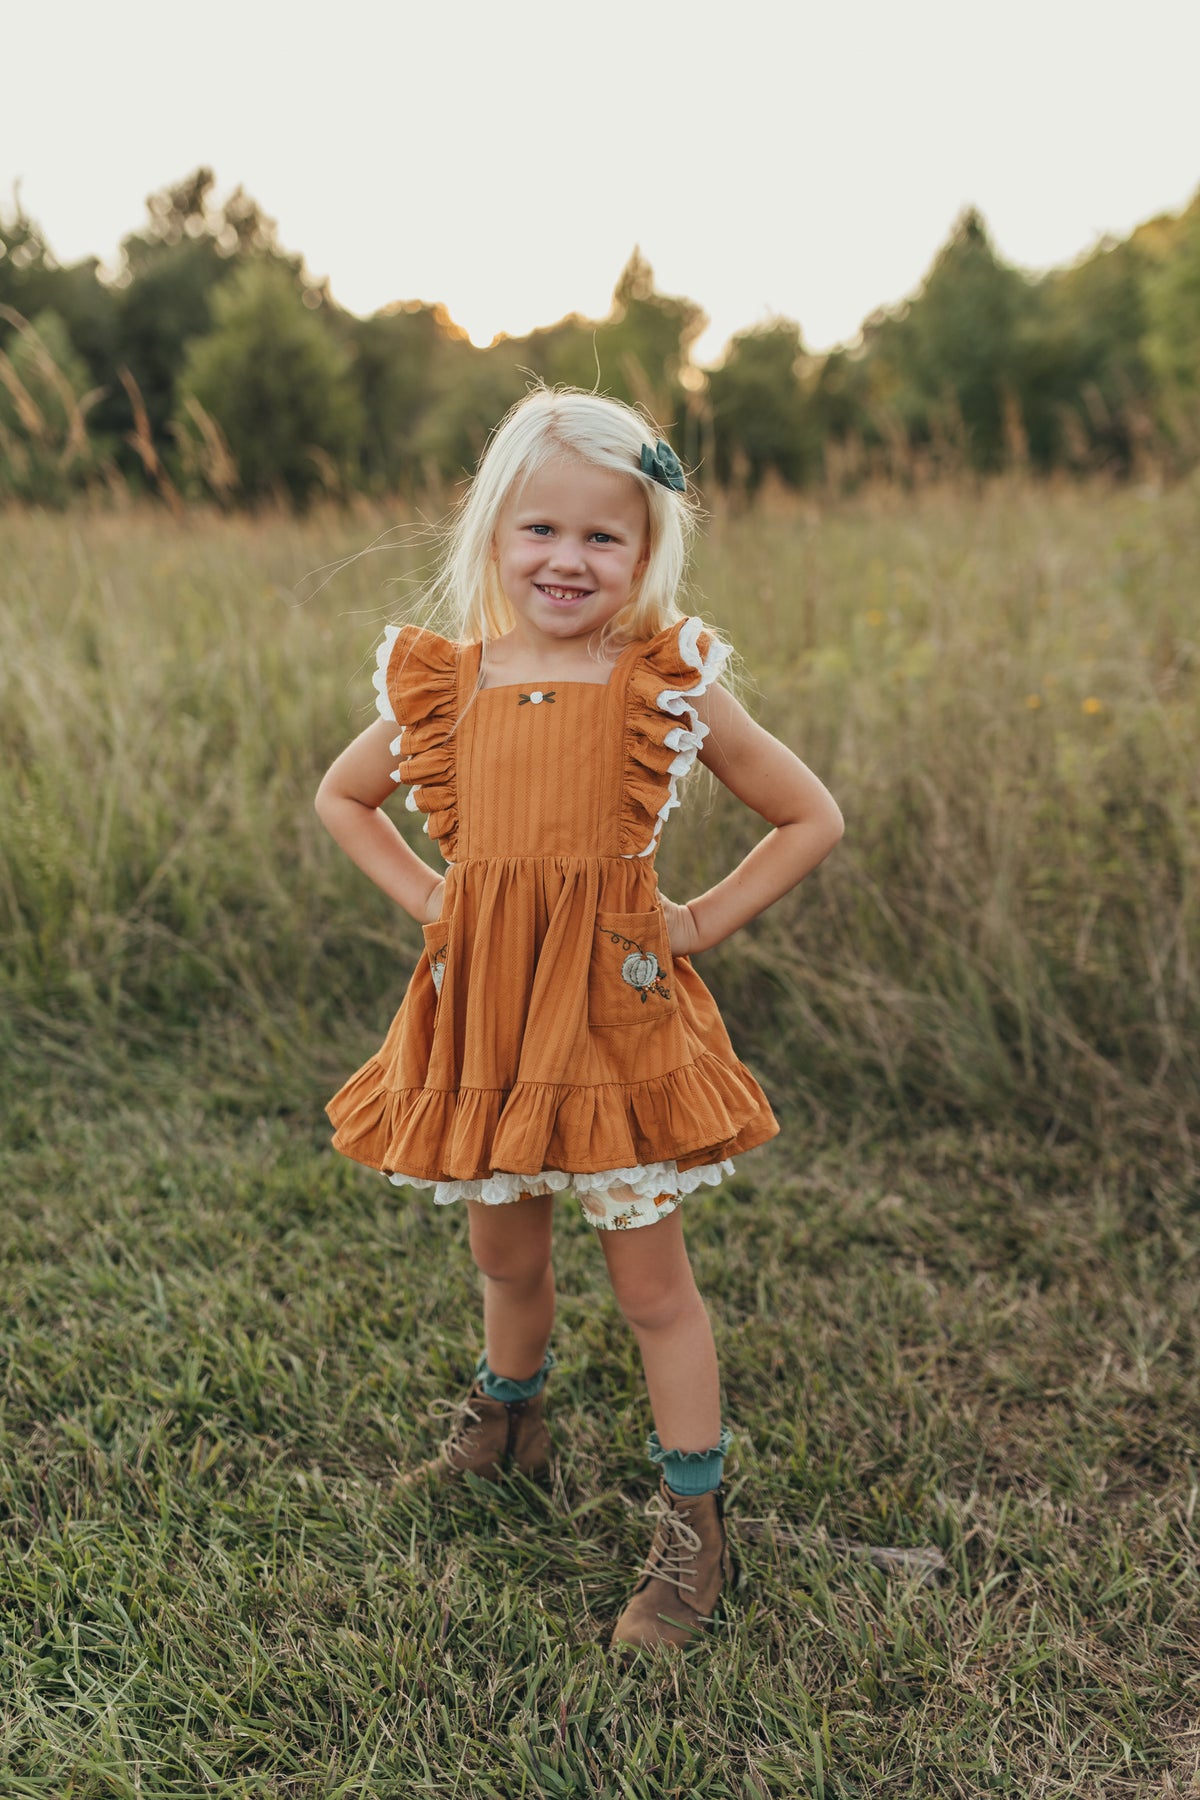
(686, 739)
(647, 1182)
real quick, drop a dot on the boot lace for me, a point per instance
(462, 1434)
(673, 1552)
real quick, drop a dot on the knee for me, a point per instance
(523, 1263)
(651, 1302)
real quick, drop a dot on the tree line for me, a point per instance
(214, 367)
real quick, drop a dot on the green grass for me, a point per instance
(220, 1341)
(955, 1302)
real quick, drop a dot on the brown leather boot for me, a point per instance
(689, 1565)
(487, 1438)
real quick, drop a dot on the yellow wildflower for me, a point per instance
(874, 616)
(1033, 701)
(1091, 705)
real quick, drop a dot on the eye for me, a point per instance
(541, 528)
(604, 537)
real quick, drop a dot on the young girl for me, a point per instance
(555, 1033)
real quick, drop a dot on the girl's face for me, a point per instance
(569, 546)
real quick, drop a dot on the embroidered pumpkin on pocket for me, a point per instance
(629, 981)
(641, 971)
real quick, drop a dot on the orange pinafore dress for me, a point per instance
(548, 1039)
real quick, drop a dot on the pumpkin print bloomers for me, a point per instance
(548, 1039)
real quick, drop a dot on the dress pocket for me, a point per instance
(631, 980)
(437, 945)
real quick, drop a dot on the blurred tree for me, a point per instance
(28, 270)
(639, 352)
(1172, 341)
(1088, 374)
(473, 390)
(645, 343)
(171, 272)
(565, 354)
(952, 362)
(981, 363)
(277, 384)
(845, 410)
(46, 454)
(762, 414)
(32, 281)
(398, 357)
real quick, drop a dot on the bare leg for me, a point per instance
(652, 1280)
(511, 1247)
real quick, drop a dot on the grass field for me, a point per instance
(955, 1302)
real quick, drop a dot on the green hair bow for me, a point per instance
(662, 465)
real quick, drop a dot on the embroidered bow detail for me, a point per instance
(536, 698)
(662, 465)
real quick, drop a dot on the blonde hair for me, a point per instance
(551, 423)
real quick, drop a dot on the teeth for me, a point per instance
(564, 593)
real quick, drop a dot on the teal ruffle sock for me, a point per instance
(691, 1472)
(499, 1387)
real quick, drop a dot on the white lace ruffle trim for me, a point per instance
(687, 738)
(647, 1182)
(383, 656)
(383, 707)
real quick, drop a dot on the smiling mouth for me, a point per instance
(562, 593)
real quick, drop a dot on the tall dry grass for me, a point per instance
(998, 683)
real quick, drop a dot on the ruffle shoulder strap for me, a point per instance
(664, 731)
(416, 688)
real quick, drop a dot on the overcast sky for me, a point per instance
(805, 159)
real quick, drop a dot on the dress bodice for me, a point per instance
(586, 769)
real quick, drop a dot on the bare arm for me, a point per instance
(766, 776)
(348, 802)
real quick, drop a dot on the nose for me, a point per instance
(568, 554)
